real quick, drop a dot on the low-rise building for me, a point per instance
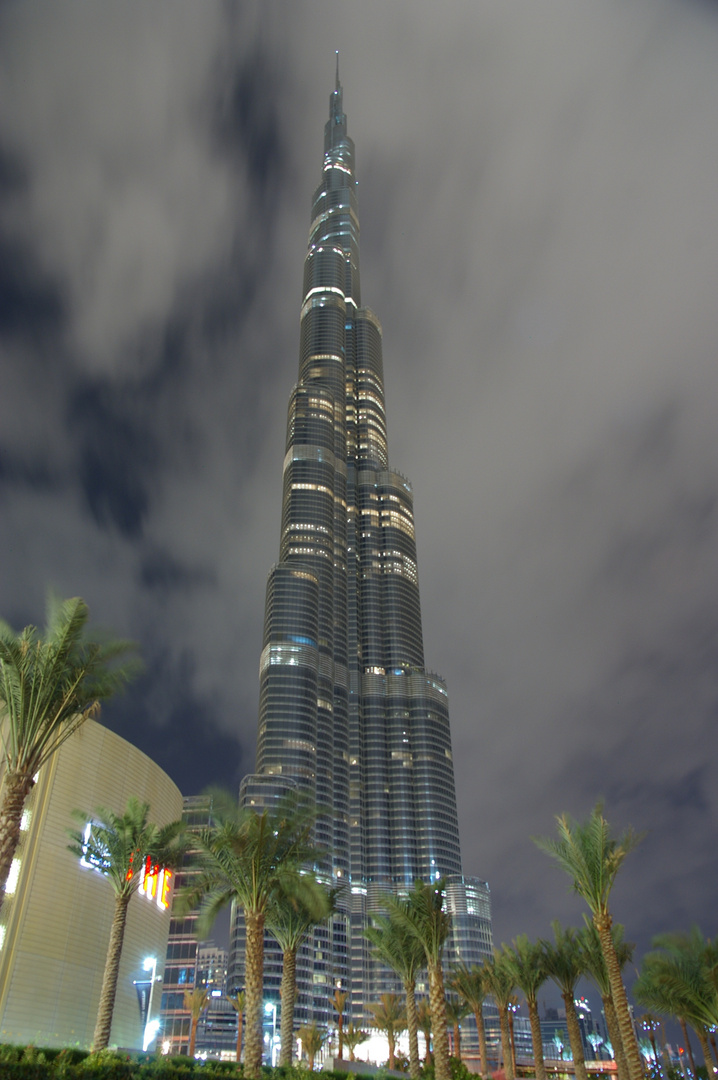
(56, 918)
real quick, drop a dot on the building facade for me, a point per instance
(348, 710)
(180, 967)
(56, 918)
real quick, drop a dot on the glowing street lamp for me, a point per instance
(270, 1008)
(151, 1026)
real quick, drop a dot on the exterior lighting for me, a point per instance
(151, 1026)
(151, 1029)
(270, 1009)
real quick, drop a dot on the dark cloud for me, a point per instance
(118, 456)
(30, 305)
(18, 471)
(537, 194)
(160, 571)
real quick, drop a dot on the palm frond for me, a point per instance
(49, 685)
(588, 853)
(117, 845)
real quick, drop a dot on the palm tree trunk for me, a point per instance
(618, 994)
(103, 1024)
(512, 1041)
(239, 1037)
(481, 1031)
(574, 1037)
(340, 1035)
(536, 1039)
(254, 977)
(412, 1025)
(437, 1005)
(15, 790)
(687, 1041)
(288, 993)
(506, 1043)
(614, 1034)
(426, 1031)
(392, 1048)
(192, 1036)
(705, 1048)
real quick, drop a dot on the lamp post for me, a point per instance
(271, 1007)
(151, 1026)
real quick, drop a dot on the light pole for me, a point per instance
(151, 1026)
(271, 1007)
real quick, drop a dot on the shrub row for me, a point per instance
(35, 1063)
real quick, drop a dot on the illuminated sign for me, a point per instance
(155, 880)
(156, 883)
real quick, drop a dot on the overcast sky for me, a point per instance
(537, 188)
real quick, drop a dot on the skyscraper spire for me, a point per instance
(336, 84)
(348, 712)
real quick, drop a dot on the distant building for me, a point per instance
(554, 1035)
(211, 966)
(523, 1046)
(56, 919)
(217, 1027)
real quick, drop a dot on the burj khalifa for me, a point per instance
(348, 710)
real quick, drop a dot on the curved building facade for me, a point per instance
(56, 919)
(348, 710)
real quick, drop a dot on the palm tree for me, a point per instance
(195, 1001)
(422, 914)
(423, 1019)
(678, 980)
(526, 960)
(313, 1039)
(470, 984)
(238, 1002)
(339, 1003)
(565, 964)
(501, 984)
(49, 686)
(401, 951)
(390, 1017)
(251, 858)
(118, 846)
(592, 857)
(456, 1011)
(353, 1037)
(289, 921)
(596, 969)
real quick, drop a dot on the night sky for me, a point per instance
(538, 194)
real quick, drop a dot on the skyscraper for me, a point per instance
(348, 710)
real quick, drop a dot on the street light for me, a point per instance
(271, 1007)
(151, 1026)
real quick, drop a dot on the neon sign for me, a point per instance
(156, 883)
(155, 880)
